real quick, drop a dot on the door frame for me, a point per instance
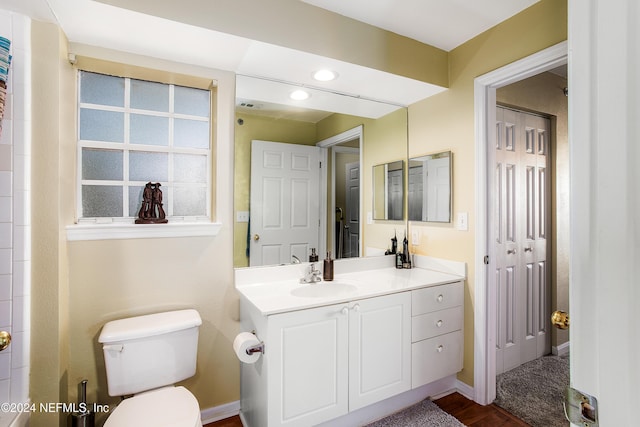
(485, 317)
(349, 135)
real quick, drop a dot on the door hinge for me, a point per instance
(580, 408)
(486, 259)
(320, 165)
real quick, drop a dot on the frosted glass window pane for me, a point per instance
(190, 168)
(148, 167)
(101, 89)
(191, 133)
(149, 95)
(188, 201)
(149, 130)
(100, 125)
(102, 164)
(191, 101)
(135, 200)
(101, 201)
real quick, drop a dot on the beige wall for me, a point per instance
(78, 286)
(544, 94)
(446, 122)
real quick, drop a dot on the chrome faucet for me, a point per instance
(295, 259)
(312, 276)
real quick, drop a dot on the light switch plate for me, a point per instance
(462, 221)
(369, 218)
(415, 237)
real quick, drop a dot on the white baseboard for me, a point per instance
(221, 412)
(561, 350)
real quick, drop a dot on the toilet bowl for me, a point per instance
(144, 357)
(168, 406)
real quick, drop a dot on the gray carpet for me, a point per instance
(422, 414)
(535, 390)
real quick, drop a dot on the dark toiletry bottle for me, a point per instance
(398, 260)
(314, 256)
(406, 262)
(327, 273)
(394, 244)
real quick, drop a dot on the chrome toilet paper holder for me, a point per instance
(258, 348)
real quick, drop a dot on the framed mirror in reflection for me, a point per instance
(429, 188)
(388, 191)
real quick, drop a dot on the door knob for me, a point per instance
(256, 237)
(5, 340)
(511, 251)
(560, 319)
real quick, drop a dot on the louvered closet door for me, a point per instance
(522, 194)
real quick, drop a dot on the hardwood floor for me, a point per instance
(467, 411)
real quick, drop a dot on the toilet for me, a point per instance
(145, 356)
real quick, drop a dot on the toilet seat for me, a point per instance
(165, 407)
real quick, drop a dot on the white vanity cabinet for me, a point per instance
(326, 361)
(436, 332)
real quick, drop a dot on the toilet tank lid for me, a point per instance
(149, 325)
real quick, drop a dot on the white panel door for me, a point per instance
(285, 202)
(379, 349)
(438, 189)
(307, 353)
(351, 233)
(521, 220)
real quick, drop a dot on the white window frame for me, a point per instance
(101, 228)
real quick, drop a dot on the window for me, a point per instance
(131, 132)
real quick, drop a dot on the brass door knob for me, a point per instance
(256, 237)
(560, 319)
(5, 340)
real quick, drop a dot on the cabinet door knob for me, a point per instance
(440, 348)
(439, 323)
(356, 308)
(440, 298)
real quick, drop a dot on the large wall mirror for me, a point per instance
(348, 134)
(429, 192)
(388, 191)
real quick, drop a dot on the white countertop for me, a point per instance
(273, 296)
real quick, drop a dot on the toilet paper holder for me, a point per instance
(258, 348)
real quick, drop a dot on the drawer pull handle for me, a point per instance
(439, 323)
(440, 298)
(440, 348)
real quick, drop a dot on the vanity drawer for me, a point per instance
(436, 358)
(436, 323)
(436, 298)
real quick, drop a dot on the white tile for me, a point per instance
(5, 313)
(6, 27)
(6, 238)
(17, 317)
(19, 350)
(4, 391)
(5, 183)
(5, 287)
(21, 278)
(8, 100)
(5, 366)
(21, 31)
(5, 261)
(20, 384)
(22, 242)
(6, 209)
(21, 173)
(7, 131)
(22, 137)
(22, 208)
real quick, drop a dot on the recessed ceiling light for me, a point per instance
(325, 75)
(299, 95)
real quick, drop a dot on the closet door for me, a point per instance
(522, 213)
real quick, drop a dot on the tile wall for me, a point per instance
(15, 226)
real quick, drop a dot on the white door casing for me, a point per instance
(604, 135)
(520, 221)
(485, 293)
(285, 207)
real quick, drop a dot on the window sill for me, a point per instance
(112, 231)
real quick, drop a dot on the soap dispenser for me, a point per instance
(327, 274)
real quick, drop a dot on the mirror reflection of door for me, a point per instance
(285, 202)
(351, 235)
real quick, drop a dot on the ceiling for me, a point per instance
(441, 23)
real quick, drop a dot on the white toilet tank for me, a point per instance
(146, 352)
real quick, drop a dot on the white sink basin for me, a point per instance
(323, 290)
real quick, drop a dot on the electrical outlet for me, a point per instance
(369, 218)
(242, 216)
(415, 237)
(462, 221)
